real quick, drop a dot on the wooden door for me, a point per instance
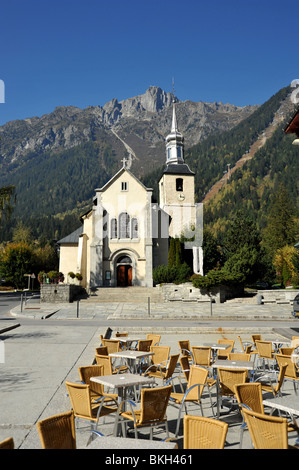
(124, 275)
(121, 276)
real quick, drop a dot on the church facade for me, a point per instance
(124, 235)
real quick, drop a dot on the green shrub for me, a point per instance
(216, 278)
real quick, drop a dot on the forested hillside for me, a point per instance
(252, 188)
(54, 188)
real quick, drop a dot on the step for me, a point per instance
(125, 294)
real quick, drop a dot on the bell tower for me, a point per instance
(176, 186)
(177, 194)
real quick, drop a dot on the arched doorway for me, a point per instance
(124, 271)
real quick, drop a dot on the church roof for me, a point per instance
(72, 237)
(122, 170)
(178, 169)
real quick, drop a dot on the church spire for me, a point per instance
(174, 126)
(174, 141)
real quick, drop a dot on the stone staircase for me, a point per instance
(134, 294)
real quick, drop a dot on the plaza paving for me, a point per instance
(39, 359)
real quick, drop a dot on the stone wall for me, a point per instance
(59, 293)
(188, 293)
(278, 296)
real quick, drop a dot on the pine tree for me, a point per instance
(171, 253)
(281, 229)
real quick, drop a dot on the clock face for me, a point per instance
(181, 197)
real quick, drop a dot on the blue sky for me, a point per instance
(81, 53)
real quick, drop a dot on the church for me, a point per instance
(124, 235)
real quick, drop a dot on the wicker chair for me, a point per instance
(113, 345)
(121, 335)
(266, 431)
(202, 355)
(185, 349)
(159, 359)
(267, 383)
(144, 345)
(250, 395)
(228, 378)
(223, 354)
(256, 338)
(160, 371)
(291, 372)
(102, 350)
(108, 367)
(7, 443)
(286, 351)
(96, 389)
(85, 408)
(185, 366)
(152, 411)
(245, 347)
(155, 339)
(195, 387)
(239, 357)
(58, 431)
(266, 353)
(204, 433)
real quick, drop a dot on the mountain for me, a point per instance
(137, 125)
(56, 161)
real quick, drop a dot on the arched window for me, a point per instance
(124, 225)
(179, 184)
(134, 228)
(113, 228)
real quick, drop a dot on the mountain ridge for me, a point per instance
(142, 122)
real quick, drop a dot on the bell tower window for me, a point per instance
(179, 184)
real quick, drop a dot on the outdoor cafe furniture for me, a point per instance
(266, 431)
(131, 358)
(288, 404)
(58, 431)
(114, 443)
(266, 353)
(223, 354)
(109, 368)
(194, 390)
(202, 355)
(217, 347)
(85, 408)
(230, 373)
(268, 384)
(7, 443)
(245, 346)
(96, 389)
(144, 345)
(204, 433)
(249, 395)
(160, 356)
(163, 371)
(155, 339)
(185, 349)
(239, 356)
(292, 372)
(113, 345)
(125, 342)
(122, 382)
(151, 412)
